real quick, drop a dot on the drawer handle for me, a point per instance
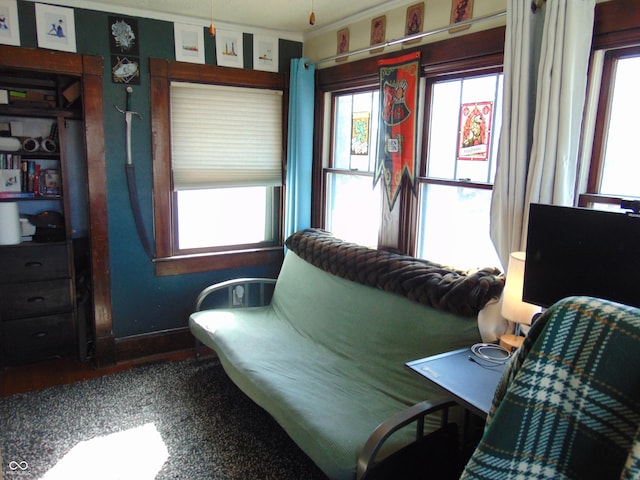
(39, 334)
(33, 264)
(35, 299)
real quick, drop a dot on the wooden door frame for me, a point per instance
(90, 69)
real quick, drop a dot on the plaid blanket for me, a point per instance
(568, 405)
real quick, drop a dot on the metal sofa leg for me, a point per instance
(196, 347)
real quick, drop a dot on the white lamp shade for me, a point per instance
(513, 308)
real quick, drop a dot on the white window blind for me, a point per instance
(225, 136)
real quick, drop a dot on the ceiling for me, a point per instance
(280, 15)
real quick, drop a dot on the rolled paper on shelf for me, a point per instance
(9, 223)
(10, 144)
(31, 145)
(48, 145)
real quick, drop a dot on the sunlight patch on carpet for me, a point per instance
(138, 453)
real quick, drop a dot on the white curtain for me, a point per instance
(545, 77)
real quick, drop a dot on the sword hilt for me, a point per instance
(129, 91)
(127, 111)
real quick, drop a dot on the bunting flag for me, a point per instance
(396, 156)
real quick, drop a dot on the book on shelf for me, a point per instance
(10, 161)
(19, 176)
(17, 195)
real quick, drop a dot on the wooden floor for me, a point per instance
(61, 371)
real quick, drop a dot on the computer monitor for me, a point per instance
(581, 251)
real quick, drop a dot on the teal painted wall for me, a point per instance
(141, 302)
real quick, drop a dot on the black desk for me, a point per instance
(472, 384)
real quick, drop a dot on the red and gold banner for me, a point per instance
(398, 123)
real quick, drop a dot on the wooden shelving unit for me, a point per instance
(38, 308)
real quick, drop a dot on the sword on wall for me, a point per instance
(131, 175)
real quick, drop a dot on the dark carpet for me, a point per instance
(170, 420)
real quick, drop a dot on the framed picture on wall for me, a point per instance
(189, 43)
(265, 53)
(229, 48)
(9, 28)
(55, 27)
(125, 69)
(124, 38)
(378, 32)
(343, 44)
(461, 10)
(415, 20)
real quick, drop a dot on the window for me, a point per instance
(218, 145)
(226, 151)
(615, 169)
(464, 120)
(454, 189)
(619, 176)
(352, 208)
(219, 217)
(448, 219)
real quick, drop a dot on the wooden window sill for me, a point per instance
(205, 262)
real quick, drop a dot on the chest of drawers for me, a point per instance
(37, 307)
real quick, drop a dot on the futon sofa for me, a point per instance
(326, 356)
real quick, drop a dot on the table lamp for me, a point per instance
(513, 308)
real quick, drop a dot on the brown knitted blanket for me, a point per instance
(444, 288)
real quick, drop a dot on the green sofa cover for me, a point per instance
(326, 357)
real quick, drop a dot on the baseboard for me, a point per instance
(105, 351)
(153, 344)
